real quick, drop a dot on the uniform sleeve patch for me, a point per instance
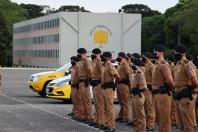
(165, 68)
(139, 76)
(189, 68)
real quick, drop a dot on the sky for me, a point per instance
(102, 6)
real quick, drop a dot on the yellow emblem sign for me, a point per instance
(100, 35)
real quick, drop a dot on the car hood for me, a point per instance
(68, 77)
(42, 73)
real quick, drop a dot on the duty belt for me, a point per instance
(86, 81)
(136, 91)
(107, 85)
(95, 82)
(124, 81)
(162, 90)
(184, 93)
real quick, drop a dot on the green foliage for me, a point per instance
(5, 41)
(33, 10)
(139, 8)
(71, 8)
(9, 13)
(194, 50)
(180, 25)
(12, 13)
(152, 32)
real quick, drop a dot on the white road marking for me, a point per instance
(44, 110)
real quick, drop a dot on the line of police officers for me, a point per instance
(154, 91)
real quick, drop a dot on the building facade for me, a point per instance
(49, 41)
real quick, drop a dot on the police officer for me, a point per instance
(185, 81)
(171, 60)
(84, 75)
(132, 58)
(149, 100)
(96, 87)
(75, 94)
(191, 58)
(108, 77)
(138, 86)
(123, 87)
(162, 83)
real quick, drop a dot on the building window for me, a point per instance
(37, 26)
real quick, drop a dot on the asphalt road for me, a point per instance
(22, 110)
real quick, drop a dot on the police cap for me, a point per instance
(81, 51)
(129, 55)
(181, 48)
(107, 54)
(96, 51)
(148, 55)
(122, 54)
(136, 55)
(74, 58)
(138, 62)
(159, 48)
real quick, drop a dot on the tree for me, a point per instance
(10, 13)
(139, 8)
(33, 10)
(152, 32)
(72, 8)
(5, 41)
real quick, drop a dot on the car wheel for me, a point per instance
(43, 92)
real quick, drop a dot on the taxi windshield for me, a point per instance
(64, 67)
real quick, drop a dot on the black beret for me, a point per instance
(74, 58)
(170, 58)
(96, 51)
(81, 51)
(122, 54)
(148, 55)
(181, 48)
(189, 57)
(138, 62)
(159, 48)
(129, 55)
(136, 55)
(107, 54)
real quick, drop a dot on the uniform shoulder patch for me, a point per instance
(189, 68)
(165, 67)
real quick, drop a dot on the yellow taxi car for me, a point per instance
(61, 89)
(38, 82)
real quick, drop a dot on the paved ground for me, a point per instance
(22, 110)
